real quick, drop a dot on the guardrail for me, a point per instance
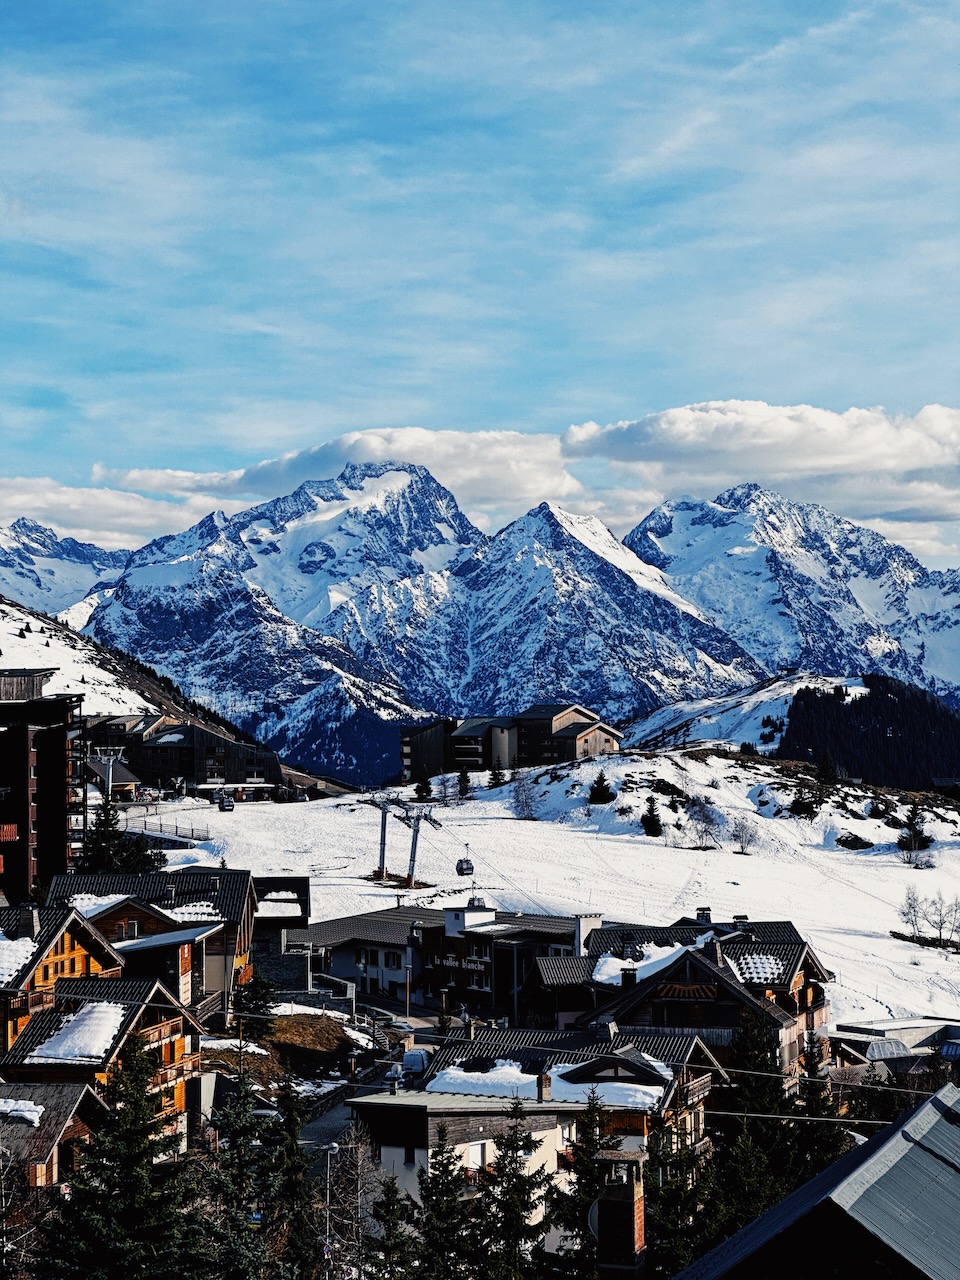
(175, 830)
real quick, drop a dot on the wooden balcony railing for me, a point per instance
(171, 1029)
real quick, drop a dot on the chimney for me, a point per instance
(703, 915)
(544, 1084)
(712, 951)
(612, 1029)
(28, 923)
(628, 977)
(740, 919)
(393, 1086)
(583, 926)
(470, 1028)
(170, 894)
(620, 1224)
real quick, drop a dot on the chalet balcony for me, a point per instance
(171, 1029)
(695, 1091)
(8, 833)
(189, 1065)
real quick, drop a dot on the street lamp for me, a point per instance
(331, 1148)
(408, 969)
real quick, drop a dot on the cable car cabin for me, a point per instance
(464, 867)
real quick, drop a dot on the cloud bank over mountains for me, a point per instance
(895, 473)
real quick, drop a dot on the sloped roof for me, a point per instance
(548, 710)
(568, 1045)
(226, 889)
(627, 998)
(72, 994)
(120, 775)
(57, 1103)
(563, 971)
(390, 926)
(52, 921)
(902, 1186)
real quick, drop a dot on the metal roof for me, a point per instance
(175, 938)
(227, 889)
(445, 1102)
(34, 1143)
(902, 1186)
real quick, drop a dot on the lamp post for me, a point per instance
(409, 970)
(331, 1148)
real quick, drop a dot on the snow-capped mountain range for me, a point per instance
(324, 619)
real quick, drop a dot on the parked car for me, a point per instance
(226, 804)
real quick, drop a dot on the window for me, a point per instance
(409, 1154)
(392, 960)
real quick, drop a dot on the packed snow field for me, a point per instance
(578, 858)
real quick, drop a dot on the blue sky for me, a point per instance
(294, 233)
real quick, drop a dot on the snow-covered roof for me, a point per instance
(84, 1036)
(14, 954)
(20, 1109)
(507, 1080)
(192, 911)
(89, 904)
(756, 966)
(609, 968)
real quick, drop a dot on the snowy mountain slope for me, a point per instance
(799, 586)
(576, 859)
(732, 718)
(49, 573)
(371, 598)
(29, 640)
(186, 607)
(551, 607)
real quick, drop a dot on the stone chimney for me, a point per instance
(620, 1224)
(703, 915)
(28, 922)
(544, 1086)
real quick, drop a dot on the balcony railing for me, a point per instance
(695, 1091)
(169, 1030)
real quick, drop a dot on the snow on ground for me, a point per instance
(577, 859)
(222, 1044)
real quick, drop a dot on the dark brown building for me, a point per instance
(41, 782)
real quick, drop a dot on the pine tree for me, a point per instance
(497, 778)
(650, 820)
(238, 1187)
(913, 838)
(108, 848)
(292, 1220)
(570, 1205)
(253, 1003)
(600, 790)
(127, 1216)
(392, 1252)
(423, 790)
(679, 1203)
(512, 1206)
(463, 784)
(819, 1138)
(445, 1221)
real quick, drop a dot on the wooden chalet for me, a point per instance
(672, 1075)
(83, 1033)
(167, 901)
(700, 978)
(44, 1128)
(38, 947)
